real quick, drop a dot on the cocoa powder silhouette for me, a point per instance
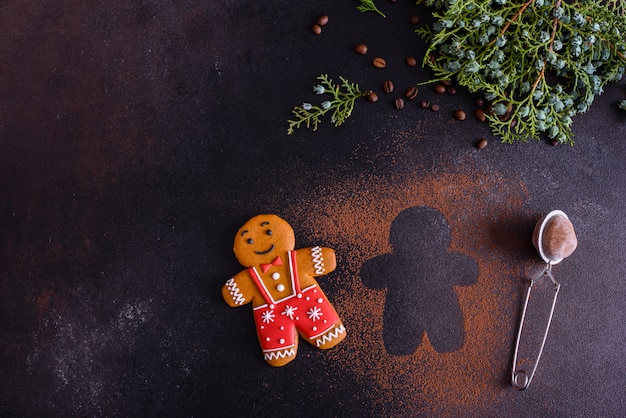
(354, 218)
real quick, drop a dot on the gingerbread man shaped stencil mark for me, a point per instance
(280, 283)
(419, 275)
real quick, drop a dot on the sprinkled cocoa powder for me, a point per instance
(355, 219)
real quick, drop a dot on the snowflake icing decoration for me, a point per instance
(314, 313)
(268, 316)
(289, 311)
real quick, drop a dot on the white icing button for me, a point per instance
(299, 295)
(271, 306)
(276, 275)
(282, 341)
(308, 298)
(325, 321)
(280, 287)
(314, 328)
(267, 339)
(319, 300)
(297, 318)
(282, 328)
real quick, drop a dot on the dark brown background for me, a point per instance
(136, 137)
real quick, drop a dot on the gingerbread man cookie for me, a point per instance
(280, 283)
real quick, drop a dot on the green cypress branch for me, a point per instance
(369, 6)
(540, 62)
(341, 104)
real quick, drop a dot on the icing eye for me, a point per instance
(250, 241)
(269, 232)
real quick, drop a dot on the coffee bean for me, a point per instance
(435, 108)
(447, 82)
(398, 103)
(411, 61)
(479, 114)
(317, 29)
(440, 89)
(361, 49)
(387, 86)
(415, 19)
(479, 102)
(451, 90)
(459, 115)
(424, 104)
(372, 97)
(411, 93)
(322, 20)
(379, 62)
(481, 143)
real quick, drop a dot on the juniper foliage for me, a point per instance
(539, 62)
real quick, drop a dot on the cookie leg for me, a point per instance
(281, 356)
(330, 338)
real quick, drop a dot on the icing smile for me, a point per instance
(266, 251)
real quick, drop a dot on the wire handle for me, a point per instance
(519, 378)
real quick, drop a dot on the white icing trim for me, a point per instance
(275, 355)
(292, 271)
(318, 260)
(267, 292)
(330, 336)
(238, 298)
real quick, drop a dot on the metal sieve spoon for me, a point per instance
(555, 239)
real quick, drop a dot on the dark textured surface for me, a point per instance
(136, 137)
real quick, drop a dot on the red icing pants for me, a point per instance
(311, 314)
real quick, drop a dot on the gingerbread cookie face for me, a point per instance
(261, 239)
(279, 282)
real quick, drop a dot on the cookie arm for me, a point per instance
(237, 290)
(316, 261)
